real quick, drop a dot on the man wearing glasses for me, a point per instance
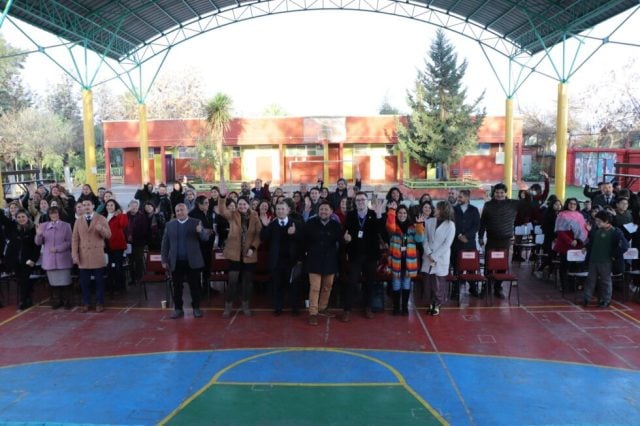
(362, 238)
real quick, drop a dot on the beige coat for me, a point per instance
(87, 243)
(232, 244)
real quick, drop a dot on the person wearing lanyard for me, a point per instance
(362, 238)
(403, 254)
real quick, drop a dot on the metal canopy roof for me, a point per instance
(120, 28)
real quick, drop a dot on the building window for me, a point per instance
(187, 152)
(235, 152)
(361, 149)
(303, 150)
(482, 149)
(391, 149)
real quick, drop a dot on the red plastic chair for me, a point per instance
(497, 269)
(468, 263)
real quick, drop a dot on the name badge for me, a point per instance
(360, 234)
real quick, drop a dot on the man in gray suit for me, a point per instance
(182, 256)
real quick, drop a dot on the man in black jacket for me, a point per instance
(497, 220)
(322, 237)
(282, 236)
(362, 237)
(467, 225)
(163, 203)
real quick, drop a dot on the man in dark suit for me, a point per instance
(182, 256)
(282, 236)
(362, 237)
(467, 224)
(607, 198)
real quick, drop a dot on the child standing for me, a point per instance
(606, 246)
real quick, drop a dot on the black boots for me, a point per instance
(405, 301)
(395, 296)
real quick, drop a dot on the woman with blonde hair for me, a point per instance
(440, 232)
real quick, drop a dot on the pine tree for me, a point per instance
(442, 127)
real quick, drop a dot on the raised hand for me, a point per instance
(199, 227)
(347, 237)
(420, 219)
(307, 204)
(39, 230)
(292, 229)
(351, 193)
(223, 188)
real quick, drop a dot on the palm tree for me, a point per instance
(218, 112)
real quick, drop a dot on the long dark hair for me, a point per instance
(105, 213)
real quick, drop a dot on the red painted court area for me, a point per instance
(545, 327)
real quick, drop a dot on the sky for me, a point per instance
(328, 63)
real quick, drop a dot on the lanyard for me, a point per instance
(362, 221)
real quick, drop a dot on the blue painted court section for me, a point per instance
(143, 389)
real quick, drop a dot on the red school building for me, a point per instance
(295, 149)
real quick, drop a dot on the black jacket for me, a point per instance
(467, 224)
(163, 205)
(21, 247)
(206, 219)
(371, 229)
(321, 243)
(274, 236)
(498, 219)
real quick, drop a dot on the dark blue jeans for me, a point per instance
(115, 273)
(85, 284)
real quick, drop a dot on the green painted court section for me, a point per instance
(321, 404)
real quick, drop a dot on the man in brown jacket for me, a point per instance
(87, 250)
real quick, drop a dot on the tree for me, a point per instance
(274, 110)
(63, 100)
(609, 111)
(387, 109)
(218, 116)
(176, 95)
(41, 137)
(13, 94)
(441, 127)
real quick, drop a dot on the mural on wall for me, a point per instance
(590, 167)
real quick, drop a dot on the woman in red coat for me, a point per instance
(116, 245)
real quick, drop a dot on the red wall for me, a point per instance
(290, 130)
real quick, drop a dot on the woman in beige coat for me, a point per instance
(241, 249)
(87, 250)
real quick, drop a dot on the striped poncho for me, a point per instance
(413, 236)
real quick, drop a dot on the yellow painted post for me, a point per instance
(89, 140)
(325, 149)
(144, 143)
(561, 141)
(508, 146)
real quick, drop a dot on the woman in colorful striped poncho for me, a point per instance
(404, 236)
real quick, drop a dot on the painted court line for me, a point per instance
(401, 380)
(446, 369)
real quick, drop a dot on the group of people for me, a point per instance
(89, 237)
(313, 237)
(307, 238)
